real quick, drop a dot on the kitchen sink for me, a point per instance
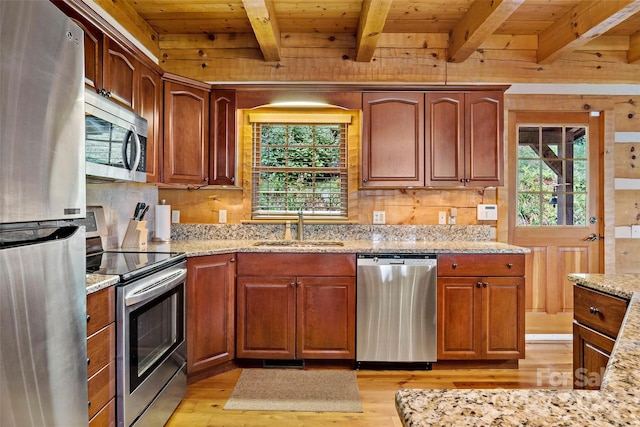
(297, 243)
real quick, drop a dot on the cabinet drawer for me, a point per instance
(298, 264)
(106, 417)
(481, 265)
(101, 309)
(602, 312)
(101, 349)
(102, 388)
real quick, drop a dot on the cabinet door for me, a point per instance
(445, 139)
(503, 317)
(149, 106)
(393, 139)
(484, 138)
(459, 318)
(325, 327)
(265, 317)
(93, 44)
(591, 351)
(223, 138)
(210, 311)
(120, 79)
(186, 133)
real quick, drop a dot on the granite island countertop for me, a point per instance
(617, 403)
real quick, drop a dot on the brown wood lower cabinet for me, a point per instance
(597, 321)
(101, 357)
(480, 317)
(210, 311)
(296, 306)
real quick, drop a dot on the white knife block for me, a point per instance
(136, 235)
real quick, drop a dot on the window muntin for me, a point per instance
(299, 166)
(552, 175)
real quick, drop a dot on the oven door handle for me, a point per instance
(154, 287)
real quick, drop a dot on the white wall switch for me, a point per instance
(442, 218)
(453, 213)
(175, 216)
(379, 217)
(487, 212)
(222, 216)
(635, 231)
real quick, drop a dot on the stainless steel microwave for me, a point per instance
(115, 141)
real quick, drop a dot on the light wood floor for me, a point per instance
(547, 365)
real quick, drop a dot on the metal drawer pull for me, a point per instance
(510, 265)
(594, 310)
(479, 285)
(454, 265)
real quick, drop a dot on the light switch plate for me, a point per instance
(635, 231)
(222, 216)
(379, 217)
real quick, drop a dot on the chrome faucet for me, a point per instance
(300, 225)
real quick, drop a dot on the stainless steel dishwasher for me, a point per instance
(396, 308)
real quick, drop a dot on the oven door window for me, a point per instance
(156, 329)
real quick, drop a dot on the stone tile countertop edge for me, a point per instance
(617, 403)
(96, 282)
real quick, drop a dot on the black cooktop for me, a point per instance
(131, 265)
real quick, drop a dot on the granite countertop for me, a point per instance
(200, 247)
(96, 282)
(212, 247)
(617, 403)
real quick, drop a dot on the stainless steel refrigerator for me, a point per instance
(43, 361)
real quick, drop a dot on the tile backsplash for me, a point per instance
(119, 201)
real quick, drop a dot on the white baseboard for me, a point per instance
(548, 337)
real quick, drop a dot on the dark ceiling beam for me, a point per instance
(583, 23)
(265, 27)
(372, 19)
(481, 20)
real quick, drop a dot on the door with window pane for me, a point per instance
(554, 209)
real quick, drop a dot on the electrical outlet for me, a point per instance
(442, 218)
(379, 217)
(222, 216)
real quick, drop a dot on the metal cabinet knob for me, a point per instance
(485, 284)
(479, 285)
(88, 318)
(510, 265)
(594, 310)
(232, 260)
(454, 265)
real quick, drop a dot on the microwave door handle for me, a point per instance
(136, 162)
(125, 145)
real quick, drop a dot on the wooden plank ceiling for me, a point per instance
(555, 27)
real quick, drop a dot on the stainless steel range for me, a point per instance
(150, 331)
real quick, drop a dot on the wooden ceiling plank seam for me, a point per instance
(584, 22)
(126, 15)
(265, 26)
(481, 20)
(634, 48)
(372, 20)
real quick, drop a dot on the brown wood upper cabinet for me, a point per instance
(464, 133)
(149, 106)
(119, 74)
(222, 156)
(481, 306)
(432, 139)
(393, 139)
(186, 132)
